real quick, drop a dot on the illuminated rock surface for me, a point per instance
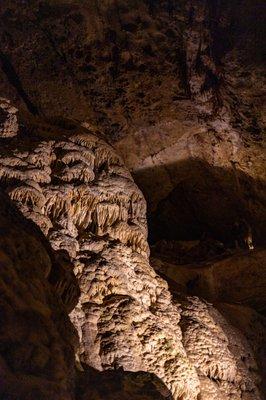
(176, 88)
(72, 184)
(125, 316)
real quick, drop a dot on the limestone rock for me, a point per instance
(238, 278)
(177, 86)
(219, 352)
(74, 186)
(76, 189)
(37, 338)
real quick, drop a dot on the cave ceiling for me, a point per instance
(133, 200)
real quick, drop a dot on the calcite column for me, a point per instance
(72, 184)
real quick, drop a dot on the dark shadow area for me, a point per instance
(15, 81)
(120, 385)
(204, 201)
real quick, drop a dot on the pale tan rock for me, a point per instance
(219, 351)
(179, 87)
(125, 316)
(169, 83)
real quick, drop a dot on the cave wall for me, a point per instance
(151, 60)
(177, 89)
(70, 183)
(37, 350)
(76, 189)
(167, 82)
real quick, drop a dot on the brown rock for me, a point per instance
(238, 278)
(36, 337)
(87, 204)
(93, 214)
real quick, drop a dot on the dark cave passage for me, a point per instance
(206, 201)
(15, 81)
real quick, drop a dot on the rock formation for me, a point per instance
(70, 183)
(78, 192)
(212, 279)
(223, 357)
(37, 340)
(175, 89)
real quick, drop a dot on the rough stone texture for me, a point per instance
(222, 355)
(248, 324)
(170, 82)
(183, 57)
(212, 153)
(37, 340)
(76, 189)
(238, 278)
(178, 87)
(253, 326)
(73, 185)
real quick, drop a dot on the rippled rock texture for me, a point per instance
(72, 184)
(223, 357)
(177, 86)
(77, 190)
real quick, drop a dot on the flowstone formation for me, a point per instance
(177, 86)
(77, 190)
(224, 359)
(71, 183)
